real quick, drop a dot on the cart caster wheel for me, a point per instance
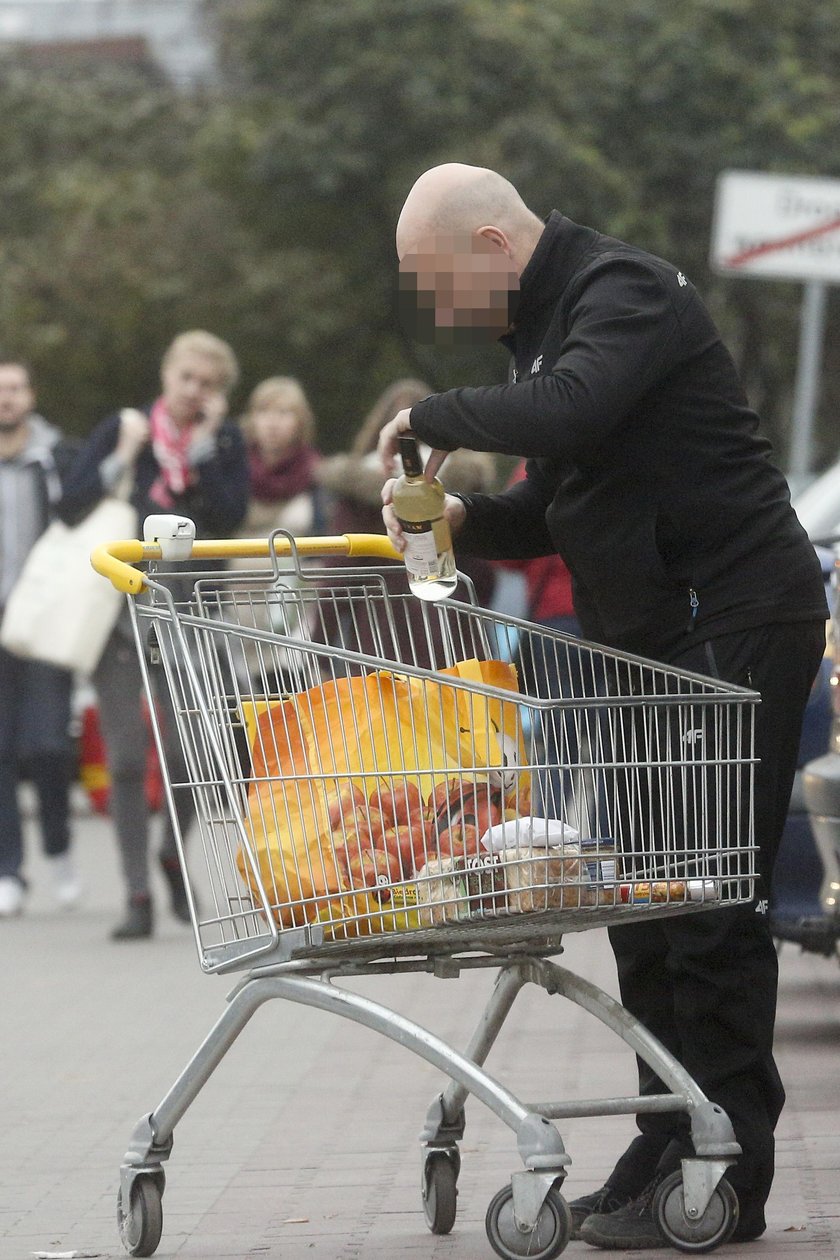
(440, 1176)
(714, 1227)
(142, 1225)
(548, 1237)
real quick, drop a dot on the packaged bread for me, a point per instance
(454, 888)
(547, 879)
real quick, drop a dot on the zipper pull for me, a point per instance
(694, 604)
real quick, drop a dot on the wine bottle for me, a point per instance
(418, 504)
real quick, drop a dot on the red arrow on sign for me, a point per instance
(784, 242)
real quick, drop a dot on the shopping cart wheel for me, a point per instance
(440, 1177)
(142, 1225)
(546, 1240)
(705, 1233)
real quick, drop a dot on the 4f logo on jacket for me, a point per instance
(536, 365)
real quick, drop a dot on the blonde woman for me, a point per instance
(184, 456)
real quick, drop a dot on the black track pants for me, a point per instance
(705, 984)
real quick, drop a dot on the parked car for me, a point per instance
(805, 901)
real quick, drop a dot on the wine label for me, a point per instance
(421, 553)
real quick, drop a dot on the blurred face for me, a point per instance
(17, 398)
(275, 428)
(189, 382)
(458, 289)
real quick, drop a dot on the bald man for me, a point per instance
(647, 474)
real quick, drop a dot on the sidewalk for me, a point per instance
(304, 1143)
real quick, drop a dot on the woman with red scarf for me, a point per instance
(279, 429)
(182, 455)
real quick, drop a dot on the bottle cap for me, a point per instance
(411, 461)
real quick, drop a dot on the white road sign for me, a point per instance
(777, 226)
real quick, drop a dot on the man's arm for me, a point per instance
(623, 336)
(506, 526)
(510, 525)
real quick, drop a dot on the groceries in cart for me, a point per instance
(327, 767)
(385, 801)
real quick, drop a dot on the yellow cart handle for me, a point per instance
(115, 560)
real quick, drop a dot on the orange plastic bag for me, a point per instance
(364, 731)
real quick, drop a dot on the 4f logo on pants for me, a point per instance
(762, 906)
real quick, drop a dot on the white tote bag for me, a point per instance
(60, 610)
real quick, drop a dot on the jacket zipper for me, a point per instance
(694, 604)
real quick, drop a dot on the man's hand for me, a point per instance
(389, 445)
(453, 509)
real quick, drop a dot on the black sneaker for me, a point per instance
(597, 1203)
(628, 1228)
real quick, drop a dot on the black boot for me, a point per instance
(171, 868)
(137, 923)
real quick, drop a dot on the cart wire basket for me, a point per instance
(379, 783)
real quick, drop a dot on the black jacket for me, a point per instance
(646, 471)
(217, 500)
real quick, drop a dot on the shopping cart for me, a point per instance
(363, 767)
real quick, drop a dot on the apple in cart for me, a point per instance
(379, 874)
(352, 845)
(345, 806)
(399, 846)
(460, 841)
(372, 871)
(463, 803)
(422, 845)
(400, 803)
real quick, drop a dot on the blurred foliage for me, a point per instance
(265, 210)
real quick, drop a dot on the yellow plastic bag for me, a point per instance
(363, 732)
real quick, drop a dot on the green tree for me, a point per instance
(112, 241)
(265, 210)
(622, 114)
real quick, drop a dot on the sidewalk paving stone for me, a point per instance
(304, 1142)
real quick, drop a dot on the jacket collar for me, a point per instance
(552, 265)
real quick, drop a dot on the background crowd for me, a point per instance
(234, 476)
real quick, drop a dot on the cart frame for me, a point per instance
(695, 1210)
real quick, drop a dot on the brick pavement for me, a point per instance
(304, 1143)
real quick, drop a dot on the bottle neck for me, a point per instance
(411, 461)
